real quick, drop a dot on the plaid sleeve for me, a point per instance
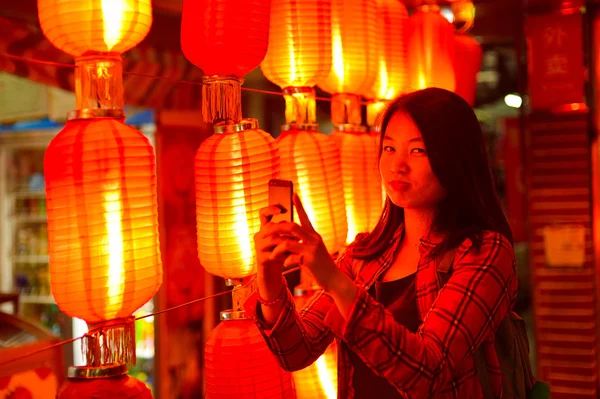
(298, 338)
(469, 308)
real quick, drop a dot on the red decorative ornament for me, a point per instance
(225, 37)
(430, 50)
(467, 63)
(238, 364)
(122, 387)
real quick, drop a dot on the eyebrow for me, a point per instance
(413, 140)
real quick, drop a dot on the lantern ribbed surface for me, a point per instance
(80, 26)
(311, 160)
(319, 380)
(468, 56)
(430, 50)
(354, 47)
(238, 364)
(232, 173)
(225, 37)
(392, 71)
(362, 183)
(102, 219)
(299, 50)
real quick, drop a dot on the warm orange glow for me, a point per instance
(80, 26)
(102, 219)
(311, 161)
(232, 172)
(467, 63)
(392, 78)
(430, 50)
(362, 183)
(354, 47)
(319, 380)
(239, 364)
(299, 50)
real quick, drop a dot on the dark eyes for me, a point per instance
(415, 150)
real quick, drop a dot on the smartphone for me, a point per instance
(280, 193)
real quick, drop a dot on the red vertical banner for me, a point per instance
(515, 191)
(555, 60)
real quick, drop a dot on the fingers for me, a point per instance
(268, 212)
(304, 220)
(288, 246)
(287, 229)
(266, 244)
(293, 260)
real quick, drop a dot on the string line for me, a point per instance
(68, 341)
(157, 77)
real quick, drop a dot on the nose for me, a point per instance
(399, 164)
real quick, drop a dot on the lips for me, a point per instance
(399, 185)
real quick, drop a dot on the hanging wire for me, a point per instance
(145, 75)
(68, 341)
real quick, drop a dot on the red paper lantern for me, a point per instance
(122, 387)
(354, 46)
(392, 71)
(311, 160)
(238, 364)
(361, 180)
(430, 50)
(232, 171)
(467, 63)
(225, 37)
(102, 219)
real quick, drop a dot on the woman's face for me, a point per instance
(404, 166)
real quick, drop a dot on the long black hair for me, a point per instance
(459, 159)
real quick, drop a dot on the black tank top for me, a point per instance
(398, 297)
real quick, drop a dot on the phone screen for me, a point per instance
(280, 193)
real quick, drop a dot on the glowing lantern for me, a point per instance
(102, 26)
(101, 191)
(430, 50)
(238, 364)
(362, 183)
(312, 161)
(319, 380)
(299, 51)
(232, 172)
(392, 70)
(227, 39)
(102, 219)
(468, 57)
(354, 50)
(299, 54)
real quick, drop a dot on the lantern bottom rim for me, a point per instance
(86, 372)
(349, 127)
(312, 127)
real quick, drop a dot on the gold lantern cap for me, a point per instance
(85, 372)
(230, 127)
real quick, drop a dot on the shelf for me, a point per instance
(30, 218)
(30, 258)
(28, 194)
(41, 299)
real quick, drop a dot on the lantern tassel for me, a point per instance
(110, 343)
(346, 110)
(222, 99)
(300, 106)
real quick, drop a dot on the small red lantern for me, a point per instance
(467, 63)
(430, 50)
(238, 364)
(225, 37)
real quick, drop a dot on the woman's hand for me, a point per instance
(269, 268)
(302, 245)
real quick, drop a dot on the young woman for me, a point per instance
(400, 333)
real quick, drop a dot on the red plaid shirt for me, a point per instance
(438, 360)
